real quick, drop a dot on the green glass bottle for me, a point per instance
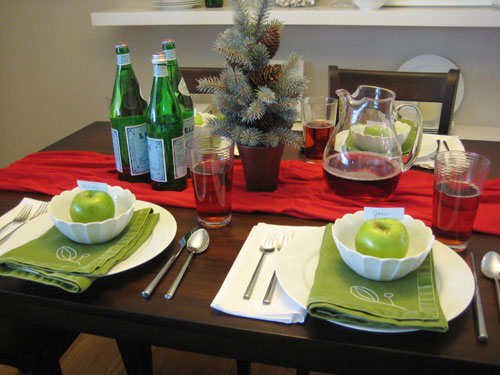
(214, 3)
(180, 89)
(166, 146)
(128, 121)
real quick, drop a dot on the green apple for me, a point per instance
(382, 238)
(408, 143)
(377, 131)
(90, 206)
(198, 119)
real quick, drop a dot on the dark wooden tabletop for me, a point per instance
(113, 306)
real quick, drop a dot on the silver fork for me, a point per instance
(267, 246)
(39, 211)
(20, 217)
(284, 238)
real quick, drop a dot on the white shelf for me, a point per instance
(320, 14)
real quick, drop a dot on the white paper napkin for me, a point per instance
(230, 300)
(10, 215)
(453, 142)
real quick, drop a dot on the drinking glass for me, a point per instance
(319, 114)
(459, 179)
(211, 161)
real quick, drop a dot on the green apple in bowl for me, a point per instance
(382, 238)
(377, 131)
(91, 206)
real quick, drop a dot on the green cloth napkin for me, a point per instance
(340, 294)
(54, 259)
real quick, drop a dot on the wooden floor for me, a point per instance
(93, 355)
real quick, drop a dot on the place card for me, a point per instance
(92, 185)
(384, 213)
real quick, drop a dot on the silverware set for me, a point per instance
(196, 241)
(22, 218)
(270, 242)
(490, 267)
(445, 145)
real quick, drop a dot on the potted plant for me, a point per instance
(257, 99)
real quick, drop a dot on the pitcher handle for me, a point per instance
(419, 123)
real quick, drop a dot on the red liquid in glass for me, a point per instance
(454, 208)
(212, 183)
(363, 176)
(316, 135)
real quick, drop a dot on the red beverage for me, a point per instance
(316, 135)
(212, 181)
(361, 175)
(454, 208)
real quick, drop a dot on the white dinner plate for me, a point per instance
(177, 5)
(163, 233)
(434, 64)
(297, 263)
(428, 147)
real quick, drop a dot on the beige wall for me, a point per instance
(56, 69)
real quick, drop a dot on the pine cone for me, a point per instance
(266, 122)
(271, 39)
(266, 74)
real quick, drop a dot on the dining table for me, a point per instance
(113, 306)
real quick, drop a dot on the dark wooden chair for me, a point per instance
(408, 86)
(191, 76)
(33, 349)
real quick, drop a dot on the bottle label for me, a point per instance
(188, 132)
(160, 71)
(182, 87)
(179, 157)
(157, 162)
(170, 53)
(123, 59)
(137, 145)
(116, 149)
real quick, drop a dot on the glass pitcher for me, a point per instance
(372, 144)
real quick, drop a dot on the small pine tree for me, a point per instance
(258, 99)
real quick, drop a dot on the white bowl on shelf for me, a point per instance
(96, 232)
(369, 4)
(382, 269)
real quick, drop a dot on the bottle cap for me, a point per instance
(159, 58)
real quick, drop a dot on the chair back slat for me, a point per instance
(191, 76)
(408, 86)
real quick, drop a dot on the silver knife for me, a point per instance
(478, 307)
(146, 293)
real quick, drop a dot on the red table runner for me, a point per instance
(302, 191)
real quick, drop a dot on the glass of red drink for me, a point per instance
(459, 179)
(211, 161)
(319, 114)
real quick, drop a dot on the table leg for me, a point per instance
(137, 357)
(243, 367)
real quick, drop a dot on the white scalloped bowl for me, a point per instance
(96, 232)
(382, 269)
(369, 4)
(376, 143)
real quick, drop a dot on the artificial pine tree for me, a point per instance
(258, 99)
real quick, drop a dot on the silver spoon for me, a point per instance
(197, 244)
(490, 265)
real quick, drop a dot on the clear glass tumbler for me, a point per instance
(211, 161)
(319, 114)
(459, 179)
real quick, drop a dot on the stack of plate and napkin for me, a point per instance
(429, 148)
(54, 259)
(338, 294)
